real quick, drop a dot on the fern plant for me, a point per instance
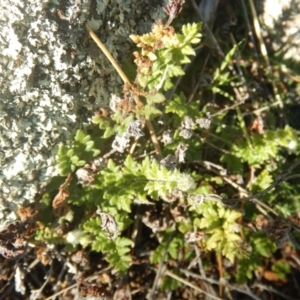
(111, 168)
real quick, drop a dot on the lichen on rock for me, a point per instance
(53, 77)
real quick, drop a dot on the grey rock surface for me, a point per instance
(52, 78)
(281, 24)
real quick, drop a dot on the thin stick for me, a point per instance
(218, 282)
(208, 287)
(170, 274)
(221, 272)
(259, 110)
(207, 29)
(271, 289)
(284, 177)
(250, 33)
(159, 271)
(36, 294)
(92, 277)
(108, 55)
(240, 189)
(153, 137)
(200, 78)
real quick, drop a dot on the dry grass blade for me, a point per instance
(108, 55)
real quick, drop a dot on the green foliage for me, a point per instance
(246, 267)
(261, 247)
(156, 98)
(223, 77)
(263, 147)
(178, 106)
(137, 180)
(81, 150)
(234, 163)
(221, 227)
(149, 112)
(263, 180)
(48, 234)
(282, 269)
(169, 249)
(286, 200)
(116, 251)
(172, 52)
(190, 196)
(170, 284)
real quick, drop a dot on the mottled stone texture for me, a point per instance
(52, 77)
(281, 22)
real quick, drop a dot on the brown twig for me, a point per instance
(272, 290)
(208, 287)
(37, 294)
(233, 106)
(254, 198)
(108, 55)
(161, 265)
(173, 9)
(284, 177)
(59, 203)
(221, 171)
(92, 277)
(218, 282)
(221, 272)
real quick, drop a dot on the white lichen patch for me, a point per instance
(281, 19)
